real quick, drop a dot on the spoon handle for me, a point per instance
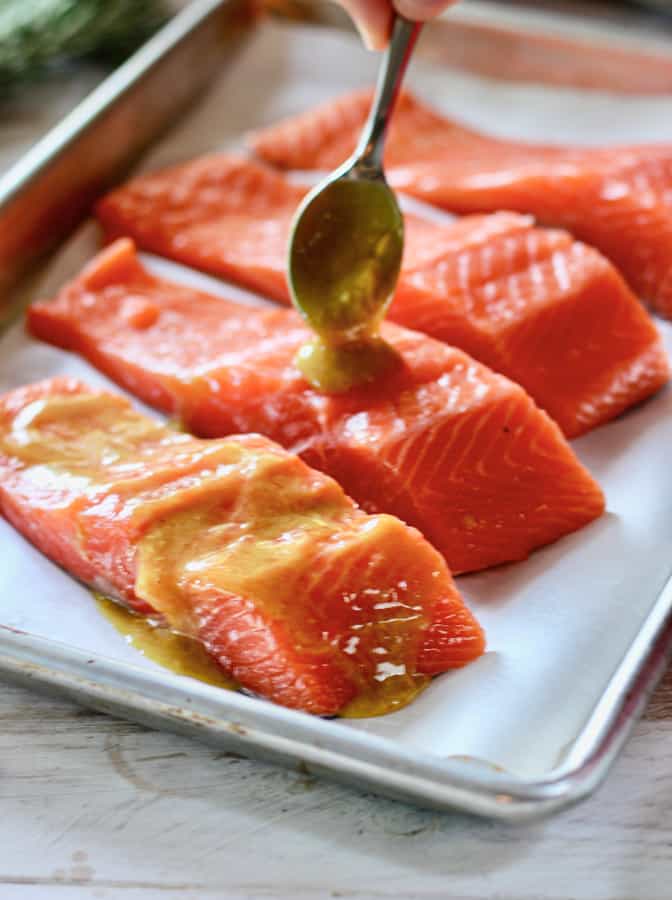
(369, 153)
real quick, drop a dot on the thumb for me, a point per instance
(421, 10)
(373, 19)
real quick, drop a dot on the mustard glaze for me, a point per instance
(264, 551)
(385, 697)
(336, 368)
(187, 657)
(345, 261)
(179, 654)
(244, 521)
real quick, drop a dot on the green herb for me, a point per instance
(35, 33)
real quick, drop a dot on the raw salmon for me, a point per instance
(444, 443)
(296, 592)
(546, 311)
(618, 199)
(533, 304)
(221, 214)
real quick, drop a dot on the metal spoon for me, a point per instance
(347, 239)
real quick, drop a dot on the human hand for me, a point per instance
(373, 18)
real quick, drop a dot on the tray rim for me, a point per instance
(41, 170)
(261, 729)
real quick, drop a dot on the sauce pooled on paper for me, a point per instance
(181, 655)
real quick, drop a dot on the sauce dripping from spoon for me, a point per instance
(346, 248)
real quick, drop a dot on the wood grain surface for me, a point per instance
(660, 709)
(93, 807)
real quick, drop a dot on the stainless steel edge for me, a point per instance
(52, 187)
(44, 195)
(629, 687)
(261, 730)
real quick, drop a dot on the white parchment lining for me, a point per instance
(558, 624)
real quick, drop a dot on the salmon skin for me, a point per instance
(459, 452)
(617, 199)
(530, 303)
(302, 597)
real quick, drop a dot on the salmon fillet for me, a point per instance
(546, 311)
(450, 447)
(296, 592)
(221, 214)
(617, 199)
(530, 303)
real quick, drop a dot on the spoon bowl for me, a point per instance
(346, 254)
(346, 246)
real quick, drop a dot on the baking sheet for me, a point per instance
(559, 624)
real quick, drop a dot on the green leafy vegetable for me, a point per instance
(34, 33)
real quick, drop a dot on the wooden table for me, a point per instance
(93, 807)
(97, 808)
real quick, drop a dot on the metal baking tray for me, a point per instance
(54, 639)
(53, 186)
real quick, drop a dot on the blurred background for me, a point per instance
(53, 52)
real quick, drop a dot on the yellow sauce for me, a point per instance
(336, 368)
(245, 522)
(264, 550)
(343, 271)
(77, 436)
(187, 657)
(180, 654)
(386, 697)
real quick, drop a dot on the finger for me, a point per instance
(373, 19)
(421, 10)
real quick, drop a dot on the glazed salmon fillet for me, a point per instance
(450, 447)
(530, 303)
(302, 597)
(617, 199)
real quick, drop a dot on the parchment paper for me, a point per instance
(558, 624)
